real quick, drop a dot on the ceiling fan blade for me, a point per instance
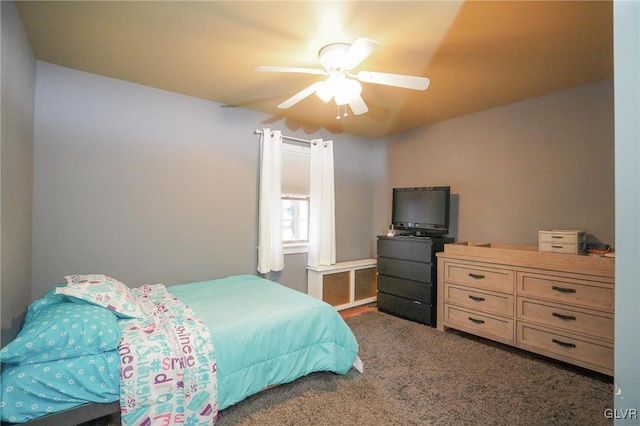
(268, 68)
(397, 80)
(358, 106)
(358, 51)
(300, 95)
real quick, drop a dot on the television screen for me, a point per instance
(423, 210)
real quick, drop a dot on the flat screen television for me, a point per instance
(422, 211)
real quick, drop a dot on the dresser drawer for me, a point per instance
(496, 303)
(414, 249)
(405, 308)
(415, 271)
(561, 248)
(414, 290)
(566, 290)
(479, 277)
(567, 345)
(594, 323)
(477, 323)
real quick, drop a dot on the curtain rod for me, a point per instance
(291, 138)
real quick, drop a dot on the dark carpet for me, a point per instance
(416, 375)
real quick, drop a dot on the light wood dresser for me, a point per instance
(557, 305)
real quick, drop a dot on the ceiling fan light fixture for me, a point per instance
(342, 89)
(324, 92)
(347, 91)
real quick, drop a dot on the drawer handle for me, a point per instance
(476, 276)
(557, 236)
(476, 321)
(565, 344)
(564, 317)
(559, 247)
(563, 289)
(476, 298)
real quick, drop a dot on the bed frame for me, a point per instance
(74, 416)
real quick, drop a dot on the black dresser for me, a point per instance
(407, 279)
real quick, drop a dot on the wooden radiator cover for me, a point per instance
(344, 284)
(336, 288)
(366, 283)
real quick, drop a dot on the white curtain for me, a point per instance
(270, 257)
(322, 229)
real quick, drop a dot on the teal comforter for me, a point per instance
(266, 334)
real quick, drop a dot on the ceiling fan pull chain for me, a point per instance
(338, 114)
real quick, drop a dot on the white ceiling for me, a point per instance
(477, 54)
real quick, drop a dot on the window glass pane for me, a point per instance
(295, 219)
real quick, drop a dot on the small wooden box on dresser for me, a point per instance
(557, 305)
(407, 276)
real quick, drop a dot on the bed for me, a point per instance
(230, 338)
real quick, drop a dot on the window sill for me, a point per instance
(295, 248)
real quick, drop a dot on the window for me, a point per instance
(295, 219)
(295, 198)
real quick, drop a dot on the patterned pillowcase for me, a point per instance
(103, 291)
(62, 330)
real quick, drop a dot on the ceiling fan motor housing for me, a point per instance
(333, 58)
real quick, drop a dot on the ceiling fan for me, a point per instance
(338, 59)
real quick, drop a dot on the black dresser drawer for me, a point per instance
(415, 271)
(408, 289)
(405, 308)
(407, 248)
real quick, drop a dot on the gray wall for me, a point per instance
(544, 163)
(150, 186)
(16, 166)
(627, 333)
